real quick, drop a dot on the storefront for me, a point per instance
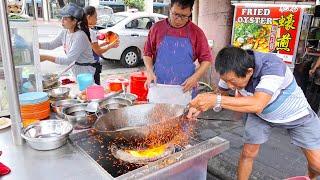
(288, 30)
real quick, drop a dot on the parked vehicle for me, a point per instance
(133, 29)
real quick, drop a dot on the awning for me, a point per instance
(157, 4)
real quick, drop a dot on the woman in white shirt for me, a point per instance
(76, 42)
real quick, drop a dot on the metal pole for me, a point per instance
(35, 9)
(9, 74)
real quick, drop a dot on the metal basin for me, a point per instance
(60, 93)
(78, 116)
(128, 96)
(114, 103)
(47, 134)
(59, 105)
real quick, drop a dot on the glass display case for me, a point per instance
(25, 45)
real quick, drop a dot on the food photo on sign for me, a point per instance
(268, 29)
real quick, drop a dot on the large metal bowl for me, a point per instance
(60, 93)
(47, 134)
(78, 116)
(59, 105)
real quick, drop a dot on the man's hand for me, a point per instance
(190, 83)
(193, 113)
(204, 101)
(151, 77)
(312, 71)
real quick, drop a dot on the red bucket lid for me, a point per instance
(138, 76)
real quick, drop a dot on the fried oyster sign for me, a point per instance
(267, 29)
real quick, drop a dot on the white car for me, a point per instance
(133, 29)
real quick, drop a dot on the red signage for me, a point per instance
(268, 29)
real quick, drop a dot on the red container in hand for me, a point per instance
(137, 81)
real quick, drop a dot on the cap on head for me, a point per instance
(72, 10)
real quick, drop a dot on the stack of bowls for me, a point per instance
(34, 106)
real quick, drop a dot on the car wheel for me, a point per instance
(130, 57)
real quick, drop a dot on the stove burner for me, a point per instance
(133, 156)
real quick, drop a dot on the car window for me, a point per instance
(110, 20)
(141, 23)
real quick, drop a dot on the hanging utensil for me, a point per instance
(66, 69)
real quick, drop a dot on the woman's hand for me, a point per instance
(47, 58)
(190, 83)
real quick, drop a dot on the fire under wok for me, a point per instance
(142, 126)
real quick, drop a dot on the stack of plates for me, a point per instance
(34, 105)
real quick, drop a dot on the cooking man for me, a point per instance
(271, 97)
(172, 47)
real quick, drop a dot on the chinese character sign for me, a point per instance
(267, 29)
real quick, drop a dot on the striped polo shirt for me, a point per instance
(272, 76)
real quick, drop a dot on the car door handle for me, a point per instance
(135, 35)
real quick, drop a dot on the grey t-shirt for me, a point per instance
(77, 48)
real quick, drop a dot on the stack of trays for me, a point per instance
(34, 105)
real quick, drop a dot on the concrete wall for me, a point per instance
(215, 19)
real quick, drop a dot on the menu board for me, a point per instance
(268, 29)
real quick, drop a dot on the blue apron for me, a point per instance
(174, 61)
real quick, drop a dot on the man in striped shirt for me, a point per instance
(271, 97)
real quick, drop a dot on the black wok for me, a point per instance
(142, 126)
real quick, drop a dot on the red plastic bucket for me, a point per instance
(137, 81)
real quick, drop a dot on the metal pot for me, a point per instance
(49, 81)
(60, 93)
(59, 105)
(141, 126)
(47, 134)
(113, 104)
(78, 116)
(128, 96)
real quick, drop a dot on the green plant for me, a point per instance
(139, 4)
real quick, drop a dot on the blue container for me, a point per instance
(84, 81)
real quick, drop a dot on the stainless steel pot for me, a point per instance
(78, 116)
(47, 134)
(59, 105)
(113, 104)
(60, 93)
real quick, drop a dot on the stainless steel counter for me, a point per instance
(63, 163)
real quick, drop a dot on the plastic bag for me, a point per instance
(170, 94)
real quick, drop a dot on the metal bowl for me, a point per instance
(113, 104)
(47, 134)
(60, 93)
(59, 105)
(49, 80)
(129, 96)
(78, 116)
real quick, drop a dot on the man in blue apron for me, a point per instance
(172, 47)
